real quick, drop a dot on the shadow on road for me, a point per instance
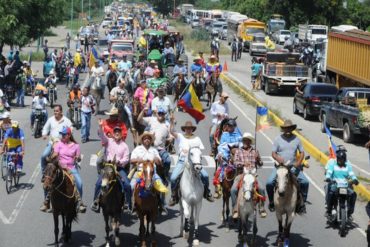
(21, 186)
(79, 238)
(295, 239)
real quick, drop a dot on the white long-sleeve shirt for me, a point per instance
(218, 108)
(52, 127)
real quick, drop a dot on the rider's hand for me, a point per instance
(328, 180)
(44, 137)
(22, 153)
(355, 182)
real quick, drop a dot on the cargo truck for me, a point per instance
(312, 33)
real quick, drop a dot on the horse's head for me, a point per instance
(282, 178)
(148, 172)
(248, 183)
(109, 176)
(195, 159)
(51, 174)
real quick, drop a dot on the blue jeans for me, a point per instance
(45, 113)
(271, 182)
(331, 196)
(179, 168)
(43, 164)
(20, 97)
(85, 125)
(78, 180)
(166, 161)
(20, 158)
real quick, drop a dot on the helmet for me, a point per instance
(231, 122)
(341, 153)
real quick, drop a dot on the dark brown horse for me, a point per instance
(179, 87)
(112, 80)
(111, 200)
(146, 203)
(197, 84)
(138, 128)
(212, 87)
(60, 185)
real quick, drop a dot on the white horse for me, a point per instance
(247, 206)
(285, 200)
(192, 189)
(97, 90)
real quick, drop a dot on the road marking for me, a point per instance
(268, 138)
(360, 169)
(93, 159)
(267, 159)
(21, 200)
(208, 163)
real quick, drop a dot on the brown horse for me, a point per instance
(197, 84)
(112, 80)
(179, 87)
(146, 203)
(60, 185)
(111, 200)
(138, 128)
(212, 87)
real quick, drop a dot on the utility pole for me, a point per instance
(71, 18)
(89, 9)
(82, 11)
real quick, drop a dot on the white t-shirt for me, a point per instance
(86, 103)
(116, 90)
(140, 152)
(160, 131)
(97, 71)
(164, 103)
(39, 103)
(184, 143)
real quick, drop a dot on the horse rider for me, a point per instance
(97, 72)
(337, 172)
(149, 70)
(230, 137)
(117, 151)
(214, 66)
(52, 128)
(115, 94)
(157, 125)
(14, 142)
(108, 129)
(147, 152)
(284, 149)
(167, 52)
(124, 67)
(144, 94)
(246, 157)
(197, 68)
(51, 80)
(184, 141)
(29, 74)
(39, 102)
(142, 43)
(162, 102)
(179, 68)
(112, 68)
(219, 111)
(215, 46)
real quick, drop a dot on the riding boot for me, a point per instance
(81, 208)
(207, 194)
(45, 207)
(174, 198)
(300, 206)
(218, 191)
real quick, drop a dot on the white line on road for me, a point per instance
(268, 138)
(93, 159)
(22, 199)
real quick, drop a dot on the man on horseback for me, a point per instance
(143, 94)
(229, 138)
(118, 152)
(219, 111)
(246, 157)
(119, 97)
(284, 149)
(149, 70)
(213, 66)
(196, 69)
(339, 170)
(179, 68)
(184, 141)
(162, 102)
(147, 152)
(123, 67)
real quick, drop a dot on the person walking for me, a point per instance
(234, 48)
(87, 108)
(240, 48)
(68, 41)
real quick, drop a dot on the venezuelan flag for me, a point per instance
(190, 103)
(332, 146)
(261, 119)
(93, 57)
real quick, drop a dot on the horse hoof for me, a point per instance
(143, 244)
(154, 243)
(195, 242)
(117, 242)
(185, 235)
(227, 229)
(107, 245)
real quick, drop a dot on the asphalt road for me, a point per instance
(22, 224)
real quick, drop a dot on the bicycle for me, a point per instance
(11, 159)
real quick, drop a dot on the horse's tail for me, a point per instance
(74, 214)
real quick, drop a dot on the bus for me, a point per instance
(232, 26)
(248, 28)
(275, 24)
(184, 9)
(199, 14)
(215, 14)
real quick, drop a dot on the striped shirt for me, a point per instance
(339, 174)
(246, 157)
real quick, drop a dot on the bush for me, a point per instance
(36, 56)
(49, 33)
(200, 34)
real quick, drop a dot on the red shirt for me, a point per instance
(202, 62)
(108, 126)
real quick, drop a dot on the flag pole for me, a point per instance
(255, 130)
(187, 86)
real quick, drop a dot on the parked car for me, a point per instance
(280, 35)
(106, 22)
(310, 96)
(222, 33)
(216, 27)
(258, 45)
(88, 30)
(195, 23)
(345, 112)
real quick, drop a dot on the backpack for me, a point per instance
(233, 46)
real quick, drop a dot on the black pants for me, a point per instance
(233, 55)
(240, 53)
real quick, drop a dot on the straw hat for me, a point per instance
(153, 62)
(288, 124)
(147, 133)
(112, 111)
(212, 57)
(197, 58)
(248, 136)
(188, 124)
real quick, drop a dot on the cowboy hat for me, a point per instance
(147, 133)
(197, 58)
(224, 95)
(112, 111)
(152, 62)
(212, 57)
(180, 60)
(188, 124)
(288, 124)
(248, 136)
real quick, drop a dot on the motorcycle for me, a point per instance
(39, 123)
(76, 114)
(9, 93)
(52, 94)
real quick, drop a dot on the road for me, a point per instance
(22, 224)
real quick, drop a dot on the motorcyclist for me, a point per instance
(48, 67)
(52, 80)
(29, 74)
(339, 171)
(74, 95)
(39, 102)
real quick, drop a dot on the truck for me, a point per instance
(312, 33)
(275, 23)
(282, 70)
(349, 111)
(248, 29)
(345, 59)
(184, 9)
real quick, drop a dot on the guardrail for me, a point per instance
(308, 146)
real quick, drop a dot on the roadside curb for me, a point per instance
(308, 146)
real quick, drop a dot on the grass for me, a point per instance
(49, 33)
(77, 23)
(36, 56)
(193, 45)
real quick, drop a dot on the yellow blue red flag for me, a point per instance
(262, 120)
(93, 57)
(191, 104)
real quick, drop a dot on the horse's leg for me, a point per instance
(154, 242)
(142, 230)
(117, 241)
(196, 209)
(280, 221)
(209, 96)
(240, 229)
(56, 225)
(255, 229)
(227, 210)
(106, 219)
(187, 217)
(181, 217)
(64, 229)
(223, 208)
(288, 224)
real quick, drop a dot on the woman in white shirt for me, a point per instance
(183, 142)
